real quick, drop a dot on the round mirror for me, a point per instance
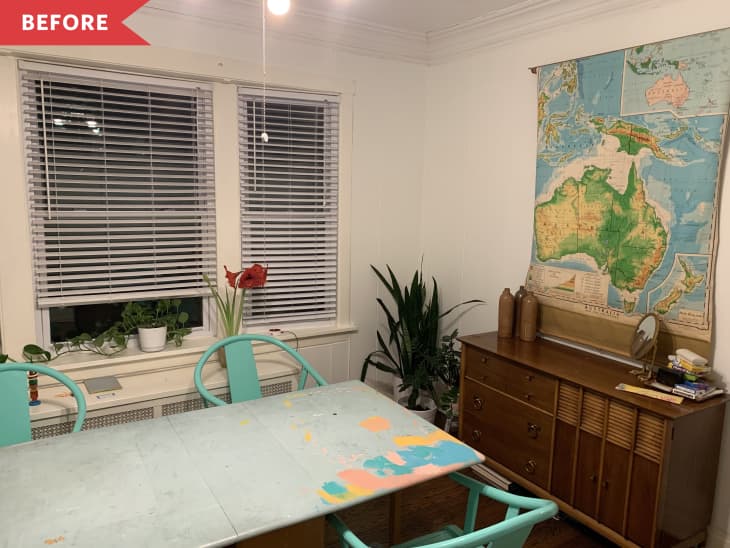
(645, 336)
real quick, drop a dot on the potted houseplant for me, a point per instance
(230, 304)
(155, 324)
(412, 350)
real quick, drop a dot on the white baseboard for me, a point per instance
(717, 538)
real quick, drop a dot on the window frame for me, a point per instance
(332, 106)
(127, 81)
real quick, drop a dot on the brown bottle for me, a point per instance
(519, 295)
(528, 317)
(506, 314)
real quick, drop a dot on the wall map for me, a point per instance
(628, 163)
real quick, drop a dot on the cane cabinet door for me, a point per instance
(616, 463)
(645, 478)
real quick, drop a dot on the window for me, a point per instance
(120, 186)
(289, 204)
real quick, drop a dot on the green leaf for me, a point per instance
(3, 358)
(35, 353)
(183, 317)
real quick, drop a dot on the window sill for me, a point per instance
(153, 376)
(133, 361)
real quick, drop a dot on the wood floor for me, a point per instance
(432, 505)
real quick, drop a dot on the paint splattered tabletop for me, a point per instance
(216, 475)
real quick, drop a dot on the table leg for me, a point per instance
(396, 507)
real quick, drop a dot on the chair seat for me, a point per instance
(447, 533)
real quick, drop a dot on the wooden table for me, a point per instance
(216, 476)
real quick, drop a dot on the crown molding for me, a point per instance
(512, 23)
(316, 28)
(368, 39)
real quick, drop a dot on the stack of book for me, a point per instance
(491, 477)
(697, 391)
(695, 369)
(689, 363)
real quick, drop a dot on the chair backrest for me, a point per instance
(243, 377)
(508, 533)
(14, 412)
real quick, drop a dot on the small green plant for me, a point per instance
(109, 342)
(163, 313)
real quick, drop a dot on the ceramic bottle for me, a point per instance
(528, 317)
(506, 314)
(519, 295)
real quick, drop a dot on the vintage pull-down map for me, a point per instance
(629, 154)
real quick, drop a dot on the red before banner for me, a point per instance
(68, 23)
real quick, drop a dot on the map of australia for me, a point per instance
(621, 232)
(629, 149)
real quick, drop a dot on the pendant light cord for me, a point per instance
(263, 64)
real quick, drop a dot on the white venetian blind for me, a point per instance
(120, 186)
(289, 199)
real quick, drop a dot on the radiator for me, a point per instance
(143, 410)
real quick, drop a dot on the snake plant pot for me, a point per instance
(427, 405)
(397, 393)
(152, 339)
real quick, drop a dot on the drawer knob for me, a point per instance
(483, 359)
(605, 485)
(592, 478)
(477, 402)
(476, 435)
(533, 430)
(530, 466)
(528, 396)
(528, 378)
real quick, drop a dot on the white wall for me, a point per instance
(387, 145)
(479, 169)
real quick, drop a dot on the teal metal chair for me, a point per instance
(14, 412)
(509, 533)
(243, 378)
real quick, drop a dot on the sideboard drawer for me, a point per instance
(517, 381)
(514, 434)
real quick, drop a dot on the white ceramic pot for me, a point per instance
(152, 339)
(429, 414)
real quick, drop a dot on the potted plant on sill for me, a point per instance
(156, 324)
(412, 351)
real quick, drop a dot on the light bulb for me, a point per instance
(278, 7)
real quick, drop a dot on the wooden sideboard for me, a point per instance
(637, 470)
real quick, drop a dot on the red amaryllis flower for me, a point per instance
(231, 276)
(230, 305)
(254, 276)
